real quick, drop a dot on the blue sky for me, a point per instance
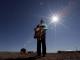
(19, 17)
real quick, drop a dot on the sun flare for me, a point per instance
(54, 19)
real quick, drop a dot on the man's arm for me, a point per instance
(34, 33)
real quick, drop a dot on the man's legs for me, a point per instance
(38, 47)
(43, 46)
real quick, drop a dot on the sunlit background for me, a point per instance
(18, 19)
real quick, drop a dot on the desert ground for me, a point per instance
(32, 56)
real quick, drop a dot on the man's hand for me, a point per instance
(35, 37)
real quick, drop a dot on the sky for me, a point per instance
(18, 19)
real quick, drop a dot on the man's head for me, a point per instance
(41, 21)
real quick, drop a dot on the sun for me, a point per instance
(54, 19)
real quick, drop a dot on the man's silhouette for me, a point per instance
(40, 35)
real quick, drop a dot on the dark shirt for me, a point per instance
(40, 31)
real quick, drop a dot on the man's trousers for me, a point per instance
(41, 43)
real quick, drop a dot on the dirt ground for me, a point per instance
(32, 56)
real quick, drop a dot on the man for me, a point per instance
(40, 35)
